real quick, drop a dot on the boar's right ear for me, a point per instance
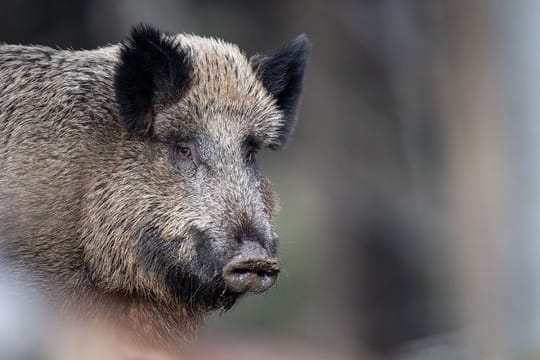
(152, 73)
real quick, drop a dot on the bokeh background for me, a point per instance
(411, 192)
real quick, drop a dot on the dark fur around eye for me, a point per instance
(253, 142)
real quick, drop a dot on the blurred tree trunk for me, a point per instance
(394, 282)
(477, 177)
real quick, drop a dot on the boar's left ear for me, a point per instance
(152, 73)
(282, 75)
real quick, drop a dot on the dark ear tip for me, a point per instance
(303, 41)
(151, 69)
(143, 33)
(141, 27)
(301, 45)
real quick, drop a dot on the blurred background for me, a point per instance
(411, 192)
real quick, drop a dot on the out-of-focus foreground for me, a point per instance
(411, 192)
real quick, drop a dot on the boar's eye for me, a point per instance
(251, 146)
(250, 156)
(185, 152)
(185, 158)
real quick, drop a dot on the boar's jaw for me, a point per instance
(197, 284)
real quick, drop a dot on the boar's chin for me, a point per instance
(195, 292)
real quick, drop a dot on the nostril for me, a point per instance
(262, 273)
(239, 271)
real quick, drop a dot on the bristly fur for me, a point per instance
(282, 75)
(99, 214)
(152, 71)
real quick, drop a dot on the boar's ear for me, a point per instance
(152, 73)
(282, 74)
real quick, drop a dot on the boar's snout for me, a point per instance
(252, 270)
